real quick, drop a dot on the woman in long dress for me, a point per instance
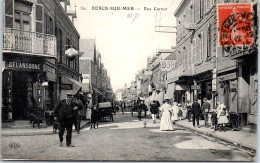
(166, 123)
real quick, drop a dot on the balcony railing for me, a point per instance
(39, 44)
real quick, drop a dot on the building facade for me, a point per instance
(29, 58)
(207, 69)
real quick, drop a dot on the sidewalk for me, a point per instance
(241, 138)
(34, 131)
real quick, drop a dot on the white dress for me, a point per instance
(166, 123)
(175, 110)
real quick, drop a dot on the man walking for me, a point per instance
(195, 109)
(188, 106)
(205, 110)
(78, 113)
(123, 106)
(64, 113)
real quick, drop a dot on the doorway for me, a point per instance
(22, 94)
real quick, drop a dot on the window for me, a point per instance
(191, 14)
(208, 5)
(194, 50)
(17, 23)
(60, 45)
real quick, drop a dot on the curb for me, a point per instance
(46, 132)
(241, 144)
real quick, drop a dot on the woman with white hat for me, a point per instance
(166, 123)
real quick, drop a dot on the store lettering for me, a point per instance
(22, 65)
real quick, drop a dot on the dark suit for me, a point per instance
(195, 109)
(65, 115)
(78, 114)
(205, 110)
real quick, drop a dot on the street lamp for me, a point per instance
(71, 53)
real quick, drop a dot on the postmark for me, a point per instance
(235, 23)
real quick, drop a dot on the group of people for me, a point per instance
(212, 118)
(172, 112)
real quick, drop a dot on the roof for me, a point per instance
(171, 57)
(181, 6)
(166, 50)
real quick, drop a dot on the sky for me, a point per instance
(125, 38)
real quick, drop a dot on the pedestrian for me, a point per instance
(205, 111)
(214, 117)
(188, 107)
(158, 104)
(195, 109)
(123, 106)
(78, 114)
(166, 109)
(175, 111)
(154, 109)
(139, 109)
(180, 113)
(64, 114)
(94, 117)
(222, 117)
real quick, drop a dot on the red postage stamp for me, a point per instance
(235, 25)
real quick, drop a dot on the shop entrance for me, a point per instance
(23, 99)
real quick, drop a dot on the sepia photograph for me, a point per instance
(129, 80)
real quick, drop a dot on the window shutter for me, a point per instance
(202, 47)
(198, 49)
(9, 13)
(209, 42)
(39, 18)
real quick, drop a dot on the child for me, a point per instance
(222, 117)
(175, 110)
(179, 112)
(214, 117)
(94, 117)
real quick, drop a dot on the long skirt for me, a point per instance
(222, 120)
(166, 123)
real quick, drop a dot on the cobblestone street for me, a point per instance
(124, 139)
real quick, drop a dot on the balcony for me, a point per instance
(30, 43)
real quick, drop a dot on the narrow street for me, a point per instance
(124, 139)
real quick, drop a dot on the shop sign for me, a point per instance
(214, 80)
(23, 65)
(66, 86)
(47, 68)
(167, 65)
(195, 87)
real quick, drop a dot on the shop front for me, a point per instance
(202, 87)
(22, 90)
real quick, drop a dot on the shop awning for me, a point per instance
(97, 91)
(76, 85)
(180, 87)
(170, 90)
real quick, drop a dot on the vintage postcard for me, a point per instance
(129, 80)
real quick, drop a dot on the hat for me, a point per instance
(70, 95)
(166, 98)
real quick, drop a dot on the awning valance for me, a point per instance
(180, 87)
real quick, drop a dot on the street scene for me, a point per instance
(129, 80)
(126, 139)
